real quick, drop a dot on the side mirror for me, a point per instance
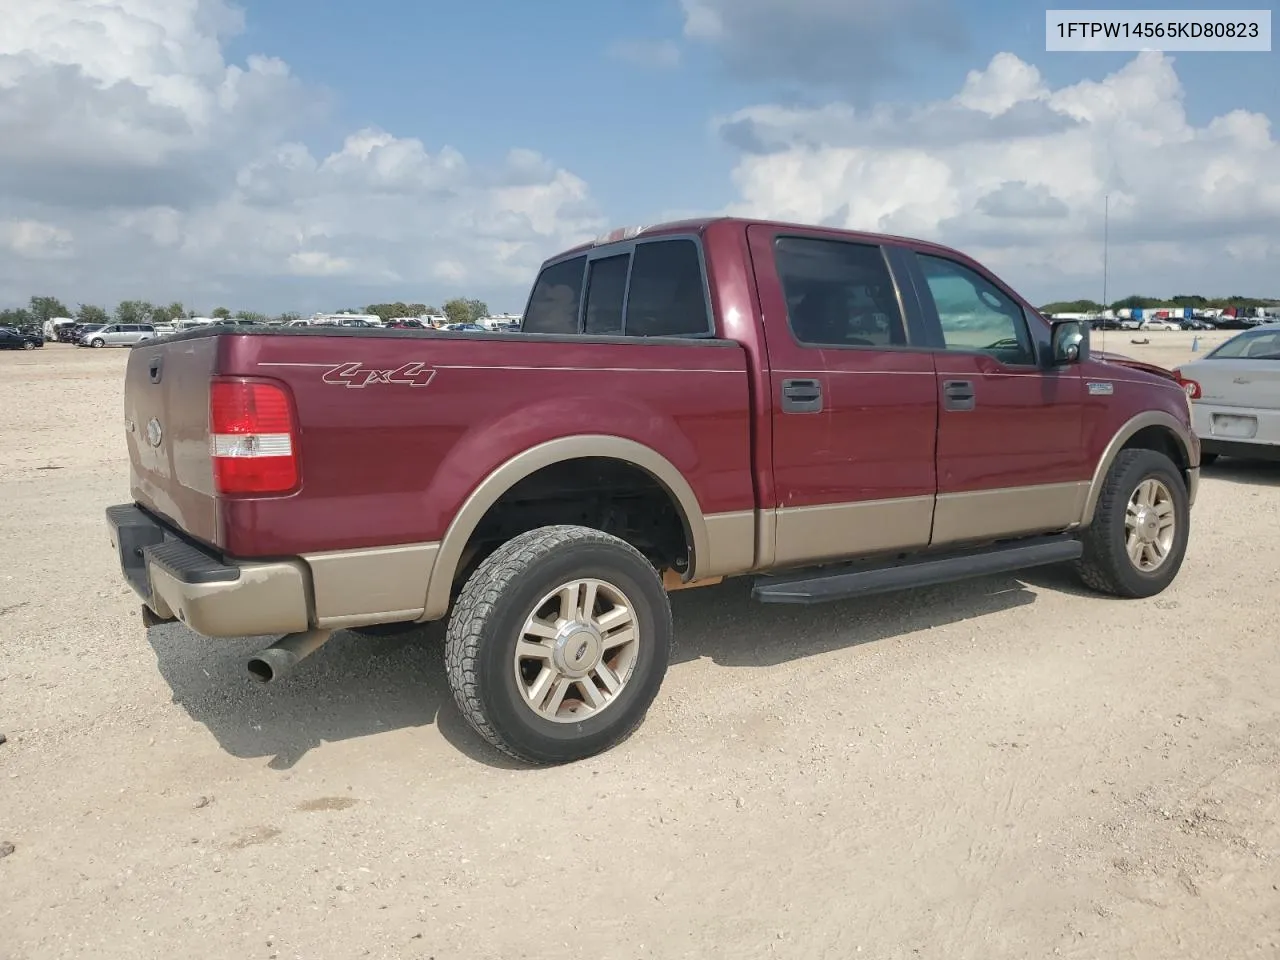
(1069, 342)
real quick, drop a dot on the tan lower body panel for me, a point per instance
(837, 530)
(731, 545)
(1008, 511)
(265, 598)
(376, 585)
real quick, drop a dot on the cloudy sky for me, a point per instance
(288, 154)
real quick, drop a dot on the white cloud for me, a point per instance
(1015, 173)
(848, 44)
(34, 240)
(149, 166)
(659, 54)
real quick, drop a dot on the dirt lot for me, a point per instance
(1005, 768)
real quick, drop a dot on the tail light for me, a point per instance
(1192, 388)
(253, 437)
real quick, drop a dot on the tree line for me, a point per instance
(40, 309)
(1158, 303)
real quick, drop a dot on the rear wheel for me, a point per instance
(1136, 543)
(558, 644)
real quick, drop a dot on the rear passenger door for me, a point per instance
(855, 409)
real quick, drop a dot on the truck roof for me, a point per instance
(699, 224)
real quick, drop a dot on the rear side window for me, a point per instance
(553, 305)
(839, 294)
(666, 297)
(606, 284)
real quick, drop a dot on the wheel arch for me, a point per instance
(504, 477)
(1149, 430)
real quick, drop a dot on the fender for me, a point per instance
(1148, 418)
(524, 464)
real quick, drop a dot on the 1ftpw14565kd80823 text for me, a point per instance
(829, 413)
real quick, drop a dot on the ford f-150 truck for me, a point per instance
(830, 413)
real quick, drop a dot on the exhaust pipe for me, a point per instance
(286, 653)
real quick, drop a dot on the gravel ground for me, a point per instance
(1011, 767)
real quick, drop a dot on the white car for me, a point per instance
(1234, 392)
(1159, 325)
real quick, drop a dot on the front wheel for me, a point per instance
(28, 345)
(98, 342)
(558, 644)
(1136, 543)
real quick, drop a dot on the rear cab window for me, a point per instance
(642, 288)
(839, 293)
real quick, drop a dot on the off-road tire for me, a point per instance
(490, 612)
(1105, 565)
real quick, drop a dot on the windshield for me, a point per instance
(1250, 345)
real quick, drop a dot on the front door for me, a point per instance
(1010, 449)
(854, 406)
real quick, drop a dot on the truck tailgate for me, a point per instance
(166, 409)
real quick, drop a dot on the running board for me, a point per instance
(820, 585)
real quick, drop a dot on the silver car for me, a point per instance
(1235, 396)
(118, 335)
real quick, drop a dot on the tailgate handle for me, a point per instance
(153, 369)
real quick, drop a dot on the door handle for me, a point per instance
(958, 395)
(801, 396)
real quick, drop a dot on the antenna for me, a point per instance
(1106, 230)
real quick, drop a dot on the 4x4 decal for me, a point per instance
(356, 375)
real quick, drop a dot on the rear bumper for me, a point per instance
(217, 598)
(1236, 431)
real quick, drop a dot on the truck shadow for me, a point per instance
(1246, 473)
(357, 686)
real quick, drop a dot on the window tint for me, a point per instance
(553, 305)
(606, 283)
(666, 298)
(838, 294)
(975, 314)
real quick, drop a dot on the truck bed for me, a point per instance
(398, 427)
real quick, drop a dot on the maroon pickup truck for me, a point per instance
(833, 414)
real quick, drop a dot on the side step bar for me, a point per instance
(820, 585)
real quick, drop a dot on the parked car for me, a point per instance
(117, 335)
(405, 323)
(1159, 325)
(1235, 396)
(14, 339)
(832, 414)
(465, 328)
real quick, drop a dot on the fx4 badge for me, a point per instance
(355, 375)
